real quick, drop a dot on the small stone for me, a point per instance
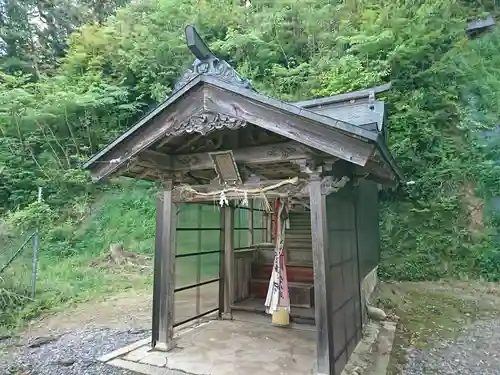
(40, 341)
(66, 362)
(137, 331)
(376, 313)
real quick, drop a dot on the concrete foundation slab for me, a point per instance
(228, 347)
(220, 347)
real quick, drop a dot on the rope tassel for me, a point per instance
(244, 201)
(223, 199)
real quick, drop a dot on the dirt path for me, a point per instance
(131, 310)
(126, 311)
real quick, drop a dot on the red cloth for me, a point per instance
(277, 294)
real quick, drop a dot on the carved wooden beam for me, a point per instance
(155, 159)
(288, 151)
(331, 184)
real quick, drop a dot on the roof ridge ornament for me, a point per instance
(207, 63)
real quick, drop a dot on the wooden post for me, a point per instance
(228, 261)
(250, 223)
(321, 264)
(164, 271)
(222, 263)
(269, 227)
(36, 243)
(199, 247)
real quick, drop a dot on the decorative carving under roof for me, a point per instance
(330, 184)
(207, 63)
(216, 68)
(204, 123)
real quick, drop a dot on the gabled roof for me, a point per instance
(211, 86)
(209, 94)
(359, 108)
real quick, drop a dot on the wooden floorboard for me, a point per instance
(257, 305)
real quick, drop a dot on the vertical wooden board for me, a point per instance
(165, 248)
(350, 320)
(322, 298)
(248, 275)
(340, 363)
(342, 221)
(349, 245)
(336, 288)
(367, 220)
(222, 276)
(170, 243)
(348, 281)
(338, 332)
(228, 260)
(241, 277)
(334, 247)
(157, 280)
(340, 209)
(250, 223)
(269, 228)
(235, 279)
(351, 346)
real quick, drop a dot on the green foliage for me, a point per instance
(33, 34)
(80, 93)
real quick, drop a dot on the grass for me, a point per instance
(434, 311)
(69, 274)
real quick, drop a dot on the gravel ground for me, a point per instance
(74, 353)
(476, 351)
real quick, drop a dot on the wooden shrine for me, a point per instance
(216, 140)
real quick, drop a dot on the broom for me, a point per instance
(281, 317)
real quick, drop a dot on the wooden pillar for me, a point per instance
(321, 264)
(228, 261)
(222, 263)
(269, 227)
(164, 271)
(250, 223)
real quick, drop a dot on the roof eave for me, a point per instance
(384, 151)
(343, 97)
(140, 123)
